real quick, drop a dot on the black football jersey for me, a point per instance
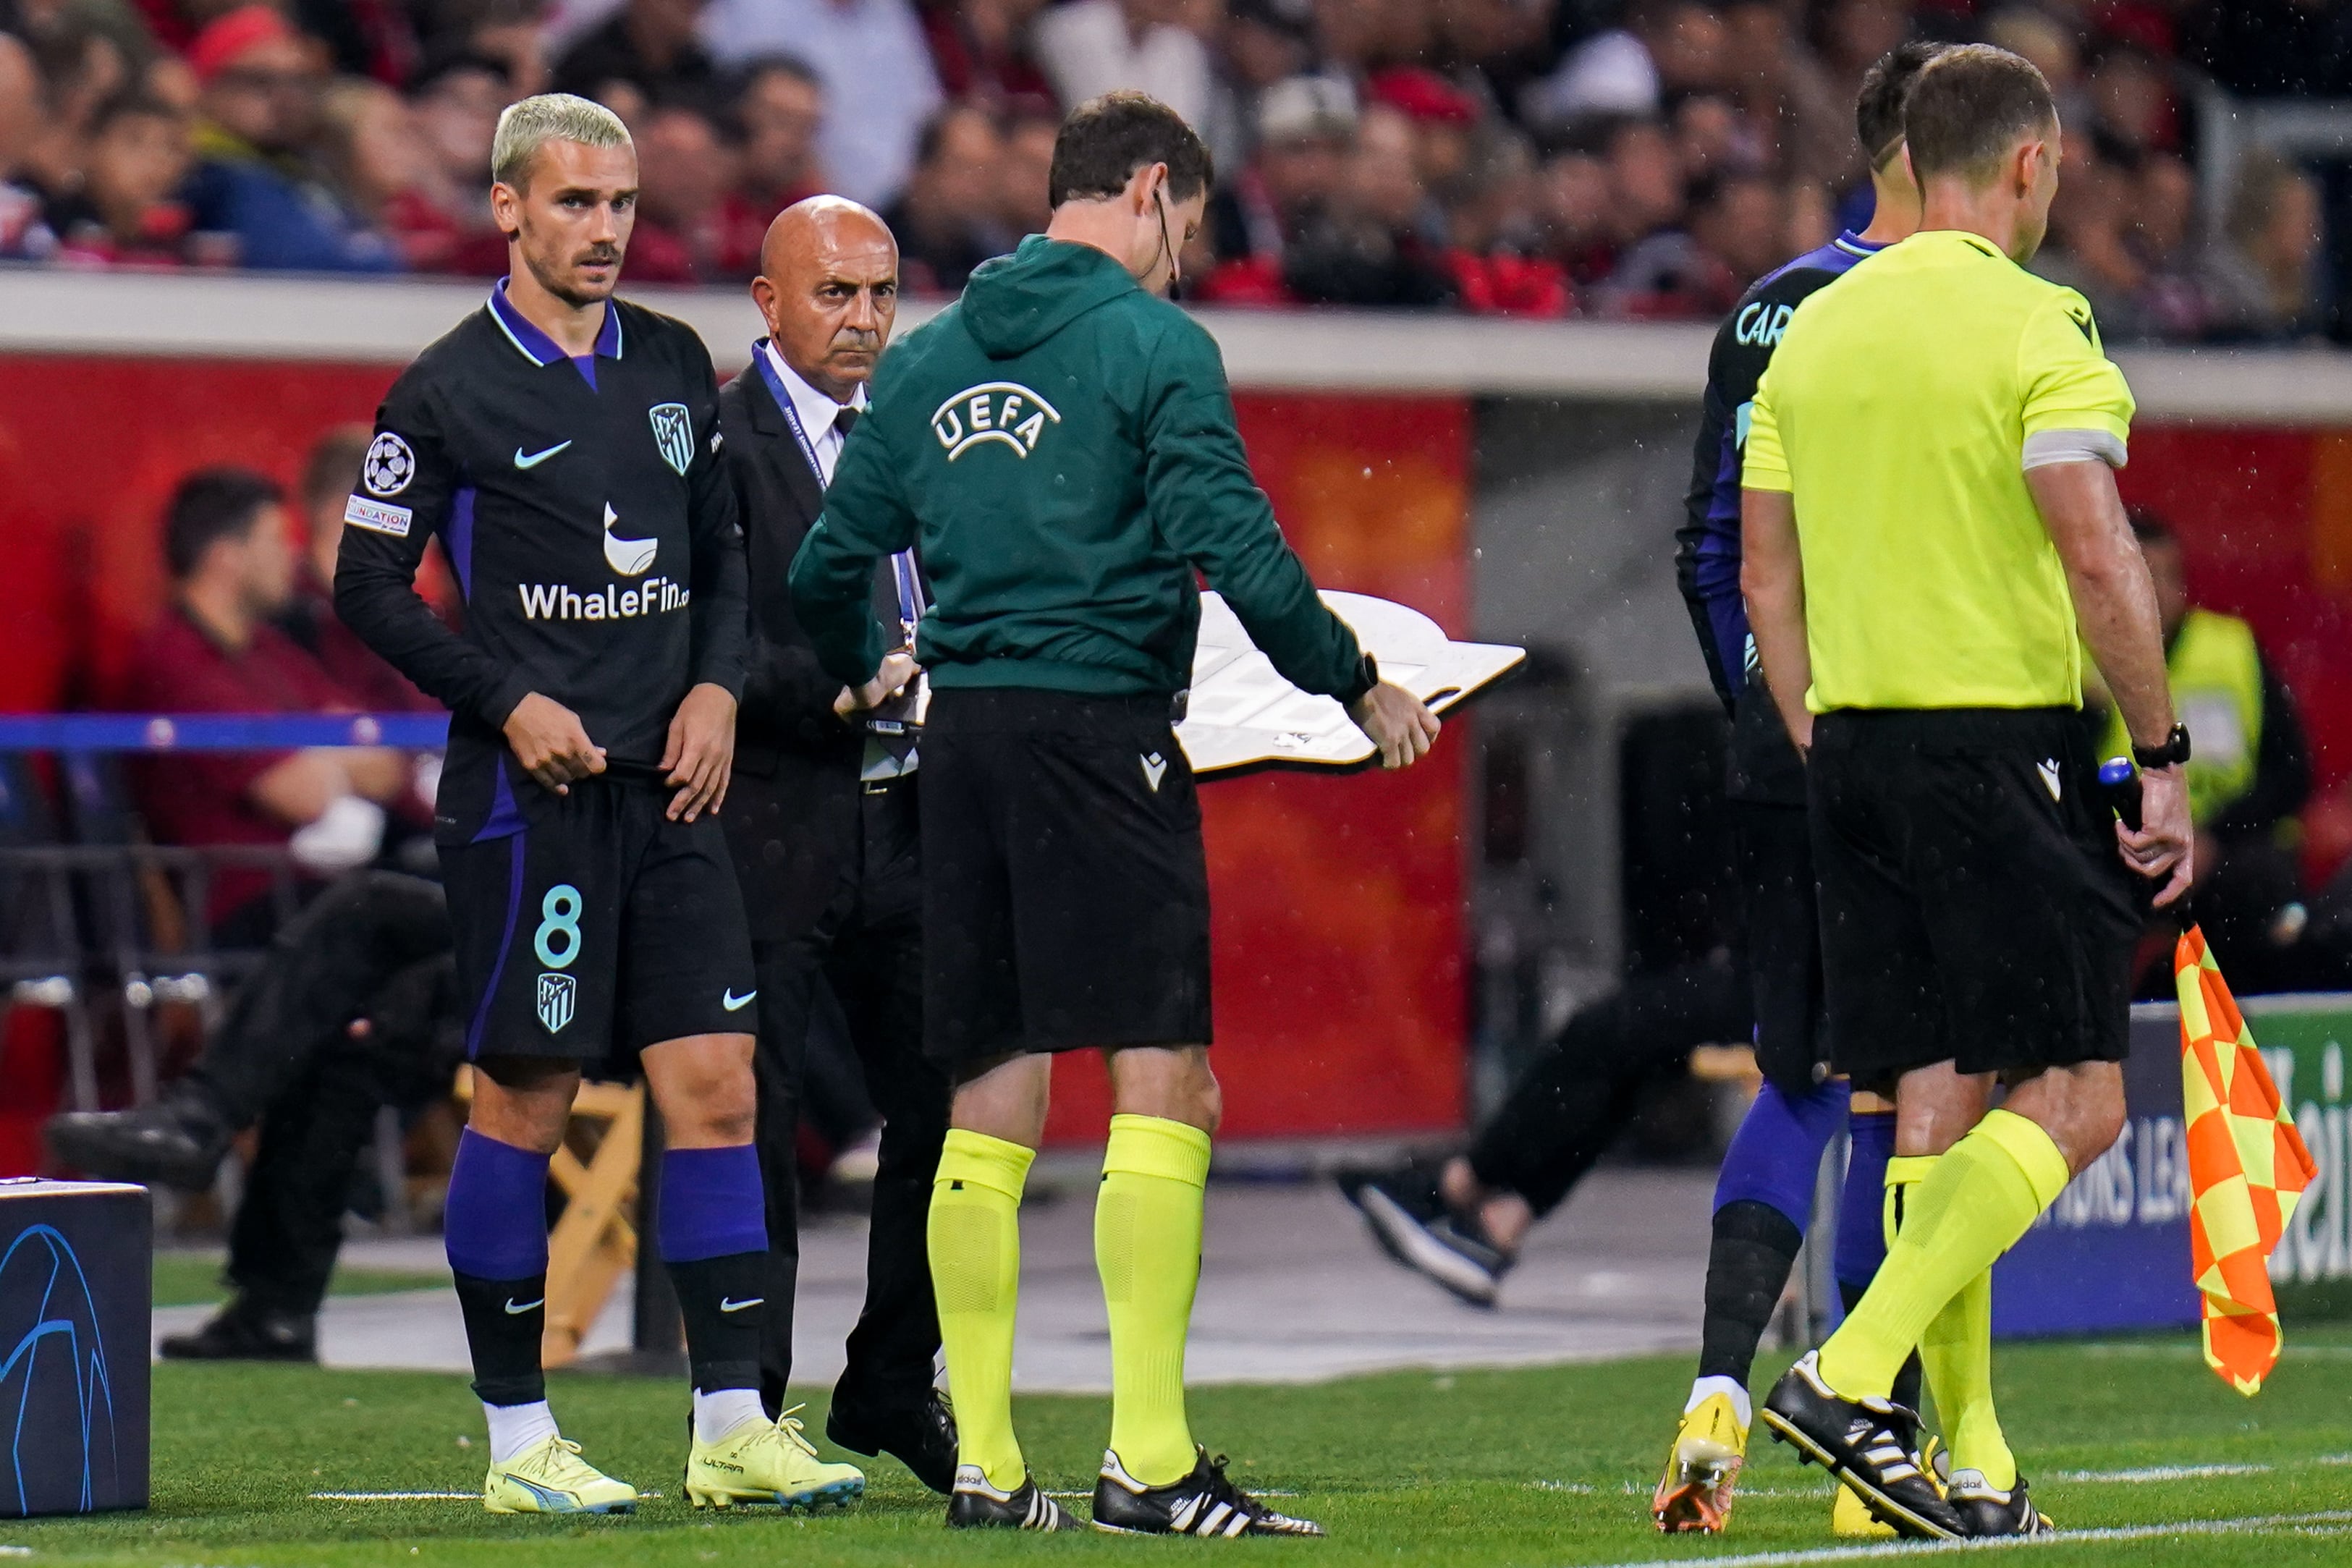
(592, 528)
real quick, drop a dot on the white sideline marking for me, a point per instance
(16, 1552)
(2249, 1524)
(2162, 1473)
(415, 1497)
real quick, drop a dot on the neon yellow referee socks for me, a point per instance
(975, 1234)
(1971, 1208)
(1148, 1247)
(1957, 1347)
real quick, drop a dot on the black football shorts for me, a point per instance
(1066, 892)
(1774, 847)
(600, 929)
(1974, 908)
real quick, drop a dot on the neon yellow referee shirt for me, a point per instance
(1899, 411)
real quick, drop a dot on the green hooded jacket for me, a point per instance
(1059, 446)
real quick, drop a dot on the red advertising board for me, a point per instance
(1341, 988)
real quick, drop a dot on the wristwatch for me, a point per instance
(2175, 749)
(1368, 675)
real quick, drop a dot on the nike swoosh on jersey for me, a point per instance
(727, 1306)
(734, 1003)
(536, 459)
(516, 1312)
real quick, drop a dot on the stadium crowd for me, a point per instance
(1626, 159)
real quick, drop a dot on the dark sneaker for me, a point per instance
(1872, 1445)
(1415, 1226)
(240, 1332)
(1203, 1503)
(976, 1505)
(173, 1143)
(1986, 1511)
(920, 1434)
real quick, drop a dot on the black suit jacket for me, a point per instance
(792, 812)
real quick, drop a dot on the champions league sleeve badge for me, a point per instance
(674, 434)
(390, 464)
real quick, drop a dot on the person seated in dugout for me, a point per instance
(216, 649)
(2248, 780)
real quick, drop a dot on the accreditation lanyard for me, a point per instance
(902, 565)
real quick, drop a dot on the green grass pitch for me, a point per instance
(1540, 1467)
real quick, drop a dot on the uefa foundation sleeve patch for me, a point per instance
(379, 517)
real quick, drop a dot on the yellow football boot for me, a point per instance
(767, 1464)
(1709, 1448)
(550, 1477)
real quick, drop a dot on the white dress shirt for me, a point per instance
(818, 414)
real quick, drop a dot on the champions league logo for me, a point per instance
(674, 434)
(389, 467)
(54, 1380)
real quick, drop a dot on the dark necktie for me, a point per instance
(845, 420)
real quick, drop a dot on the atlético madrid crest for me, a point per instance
(674, 434)
(555, 1000)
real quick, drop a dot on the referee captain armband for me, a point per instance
(1241, 714)
(2046, 447)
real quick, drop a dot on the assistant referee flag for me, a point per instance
(2247, 1167)
(1901, 410)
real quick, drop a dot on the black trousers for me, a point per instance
(1573, 1101)
(868, 947)
(373, 945)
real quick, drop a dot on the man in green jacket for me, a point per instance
(1059, 446)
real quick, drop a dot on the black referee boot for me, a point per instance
(920, 1433)
(1989, 1512)
(1204, 1503)
(1869, 1445)
(976, 1505)
(1414, 1224)
(243, 1332)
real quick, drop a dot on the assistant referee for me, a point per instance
(1059, 445)
(1930, 514)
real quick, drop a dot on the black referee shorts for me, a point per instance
(1066, 892)
(1775, 851)
(1974, 908)
(600, 929)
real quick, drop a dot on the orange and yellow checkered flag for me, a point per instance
(2247, 1166)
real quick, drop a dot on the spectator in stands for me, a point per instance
(123, 214)
(1736, 233)
(1786, 96)
(1087, 47)
(2087, 249)
(2130, 94)
(2259, 281)
(23, 235)
(1647, 185)
(879, 87)
(216, 650)
(650, 44)
(1306, 129)
(949, 220)
(383, 172)
(981, 48)
(329, 476)
(253, 186)
(1443, 118)
(1493, 249)
(446, 214)
(778, 115)
(684, 173)
(2164, 216)
(1264, 42)
(1364, 246)
(1574, 202)
(1023, 169)
(1665, 49)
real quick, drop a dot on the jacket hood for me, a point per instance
(1015, 302)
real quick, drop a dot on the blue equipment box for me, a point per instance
(77, 1260)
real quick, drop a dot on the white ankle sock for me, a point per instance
(722, 1410)
(514, 1427)
(1705, 1388)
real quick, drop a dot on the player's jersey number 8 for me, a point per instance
(559, 913)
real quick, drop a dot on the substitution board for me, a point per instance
(1243, 716)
